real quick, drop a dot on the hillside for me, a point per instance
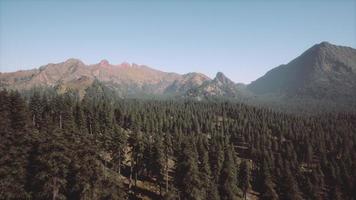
(325, 71)
(57, 146)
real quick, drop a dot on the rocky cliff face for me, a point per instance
(219, 86)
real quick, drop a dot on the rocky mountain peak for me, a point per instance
(324, 44)
(125, 64)
(220, 77)
(104, 63)
(73, 61)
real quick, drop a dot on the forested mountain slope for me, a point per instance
(58, 146)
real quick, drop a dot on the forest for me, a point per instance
(98, 146)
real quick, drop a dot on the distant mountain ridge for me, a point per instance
(126, 78)
(324, 71)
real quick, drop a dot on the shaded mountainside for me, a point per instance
(324, 71)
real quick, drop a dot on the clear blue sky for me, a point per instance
(243, 39)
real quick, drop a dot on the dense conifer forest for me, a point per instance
(63, 146)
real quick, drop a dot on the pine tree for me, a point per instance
(208, 184)
(36, 108)
(168, 151)
(53, 162)
(187, 173)
(290, 189)
(136, 142)
(268, 191)
(228, 178)
(54, 159)
(13, 149)
(158, 161)
(117, 147)
(79, 118)
(216, 158)
(244, 178)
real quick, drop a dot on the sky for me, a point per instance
(243, 39)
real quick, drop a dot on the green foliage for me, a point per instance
(14, 146)
(228, 178)
(57, 146)
(244, 177)
(187, 173)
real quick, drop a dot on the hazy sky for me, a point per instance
(243, 39)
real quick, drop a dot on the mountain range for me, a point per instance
(324, 71)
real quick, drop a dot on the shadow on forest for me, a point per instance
(137, 191)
